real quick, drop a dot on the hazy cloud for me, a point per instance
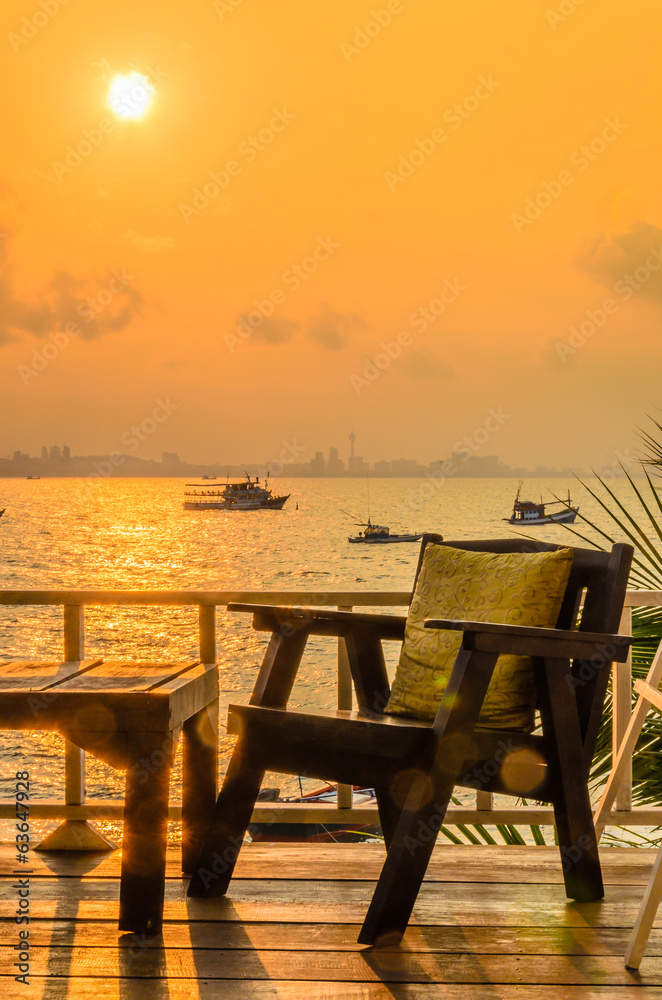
(272, 329)
(331, 329)
(97, 305)
(149, 242)
(610, 259)
(424, 364)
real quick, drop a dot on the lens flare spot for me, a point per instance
(523, 770)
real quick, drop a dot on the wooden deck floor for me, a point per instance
(490, 923)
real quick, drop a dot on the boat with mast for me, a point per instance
(248, 495)
(528, 512)
(379, 534)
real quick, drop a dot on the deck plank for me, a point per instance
(182, 989)
(332, 966)
(338, 937)
(450, 863)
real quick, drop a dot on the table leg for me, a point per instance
(199, 781)
(142, 885)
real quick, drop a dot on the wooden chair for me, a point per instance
(413, 764)
(649, 697)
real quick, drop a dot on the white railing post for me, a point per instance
(345, 795)
(621, 712)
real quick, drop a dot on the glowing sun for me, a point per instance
(131, 95)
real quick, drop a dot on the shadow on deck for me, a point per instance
(489, 923)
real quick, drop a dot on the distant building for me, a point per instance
(478, 465)
(382, 468)
(404, 467)
(318, 465)
(20, 456)
(357, 467)
(335, 465)
(66, 453)
(170, 458)
(55, 455)
(44, 453)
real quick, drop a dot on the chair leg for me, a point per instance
(647, 912)
(572, 805)
(232, 814)
(427, 801)
(578, 845)
(389, 814)
(406, 862)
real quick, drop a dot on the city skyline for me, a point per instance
(57, 460)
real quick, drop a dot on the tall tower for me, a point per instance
(352, 439)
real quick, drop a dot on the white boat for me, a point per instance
(379, 534)
(527, 512)
(248, 495)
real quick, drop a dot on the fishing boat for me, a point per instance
(315, 833)
(379, 534)
(248, 495)
(33, 477)
(527, 512)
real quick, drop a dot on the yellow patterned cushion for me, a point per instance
(507, 588)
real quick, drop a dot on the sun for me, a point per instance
(130, 95)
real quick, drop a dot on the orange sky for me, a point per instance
(405, 153)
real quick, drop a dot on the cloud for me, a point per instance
(149, 242)
(424, 364)
(96, 304)
(331, 329)
(271, 330)
(613, 259)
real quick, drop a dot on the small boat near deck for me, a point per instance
(380, 534)
(528, 512)
(316, 833)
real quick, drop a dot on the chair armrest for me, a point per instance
(271, 618)
(527, 641)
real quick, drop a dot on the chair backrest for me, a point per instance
(599, 579)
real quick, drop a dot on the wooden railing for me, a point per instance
(77, 807)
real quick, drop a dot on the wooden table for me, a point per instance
(130, 715)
